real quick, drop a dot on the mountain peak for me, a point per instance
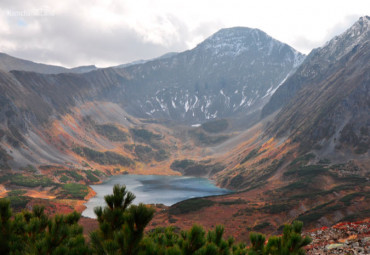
(361, 26)
(235, 35)
(235, 41)
(340, 45)
(364, 20)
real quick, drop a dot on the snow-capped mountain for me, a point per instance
(233, 72)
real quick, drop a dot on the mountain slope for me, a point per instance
(333, 111)
(319, 64)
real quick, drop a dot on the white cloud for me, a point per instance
(113, 32)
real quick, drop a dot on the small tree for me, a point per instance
(291, 243)
(5, 226)
(121, 225)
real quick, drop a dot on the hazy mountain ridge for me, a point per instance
(9, 63)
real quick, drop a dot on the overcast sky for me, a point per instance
(105, 33)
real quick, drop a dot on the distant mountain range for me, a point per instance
(9, 63)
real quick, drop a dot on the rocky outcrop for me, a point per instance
(342, 238)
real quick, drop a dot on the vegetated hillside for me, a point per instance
(9, 63)
(310, 162)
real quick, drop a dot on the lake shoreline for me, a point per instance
(154, 189)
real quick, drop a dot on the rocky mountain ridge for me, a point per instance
(330, 110)
(319, 63)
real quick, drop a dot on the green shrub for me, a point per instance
(111, 132)
(31, 181)
(90, 176)
(253, 153)
(302, 160)
(350, 197)
(64, 178)
(307, 171)
(16, 192)
(238, 201)
(261, 226)
(161, 155)
(202, 139)
(19, 202)
(277, 208)
(144, 153)
(72, 173)
(193, 168)
(144, 135)
(129, 147)
(182, 164)
(103, 158)
(30, 168)
(74, 190)
(190, 205)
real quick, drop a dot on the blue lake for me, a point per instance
(154, 189)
